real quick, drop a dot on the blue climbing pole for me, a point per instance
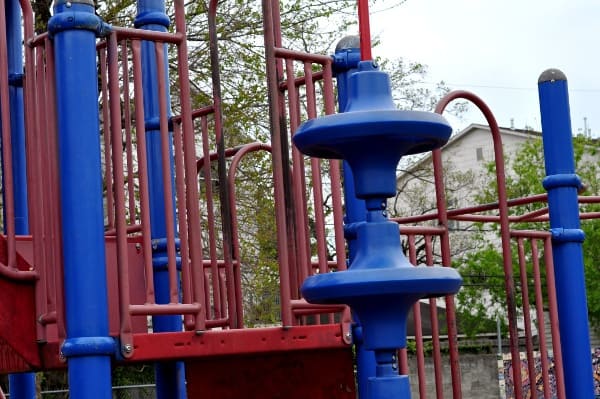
(381, 285)
(88, 347)
(151, 15)
(562, 185)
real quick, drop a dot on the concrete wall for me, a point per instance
(479, 377)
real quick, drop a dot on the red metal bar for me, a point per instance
(54, 245)
(276, 138)
(221, 161)
(125, 329)
(526, 316)
(212, 235)
(166, 175)
(435, 329)
(412, 257)
(316, 178)
(186, 273)
(504, 225)
(298, 172)
(189, 149)
(553, 312)
(128, 134)
(539, 310)
(110, 200)
(235, 233)
(142, 169)
(7, 165)
(365, 30)
(148, 35)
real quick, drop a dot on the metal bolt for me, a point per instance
(127, 348)
(394, 362)
(348, 336)
(138, 246)
(384, 213)
(68, 4)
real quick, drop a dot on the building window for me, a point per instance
(479, 153)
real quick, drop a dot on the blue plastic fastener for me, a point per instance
(562, 180)
(85, 346)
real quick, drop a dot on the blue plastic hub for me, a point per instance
(372, 135)
(381, 285)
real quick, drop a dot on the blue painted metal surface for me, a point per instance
(74, 27)
(345, 63)
(562, 185)
(22, 386)
(170, 376)
(381, 286)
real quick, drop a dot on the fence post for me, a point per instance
(562, 185)
(88, 347)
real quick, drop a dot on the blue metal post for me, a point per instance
(88, 347)
(22, 386)
(170, 376)
(345, 63)
(562, 185)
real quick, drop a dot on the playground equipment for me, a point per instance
(85, 264)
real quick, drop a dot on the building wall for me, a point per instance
(479, 373)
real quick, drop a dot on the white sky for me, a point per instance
(498, 49)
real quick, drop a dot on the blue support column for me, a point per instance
(345, 63)
(381, 285)
(88, 347)
(22, 386)
(170, 376)
(562, 185)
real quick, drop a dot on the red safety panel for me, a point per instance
(18, 347)
(322, 374)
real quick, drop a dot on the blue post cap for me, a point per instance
(372, 135)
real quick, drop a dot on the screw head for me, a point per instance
(127, 348)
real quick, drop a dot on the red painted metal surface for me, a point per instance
(329, 374)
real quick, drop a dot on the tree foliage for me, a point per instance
(483, 271)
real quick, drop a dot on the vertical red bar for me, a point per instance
(365, 30)
(143, 170)
(192, 196)
(412, 256)
(166, 167)
(7, 166)
(298, 274)
(527, 318)
(539, 309)
(128, 135)
(317, 184)
(181, 216)
(110, 207)
(210, 215)
(553, 311)
(119, 181)
(276, 140)
(54, 245)
(435, 329)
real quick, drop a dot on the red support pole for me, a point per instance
(365, 30)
